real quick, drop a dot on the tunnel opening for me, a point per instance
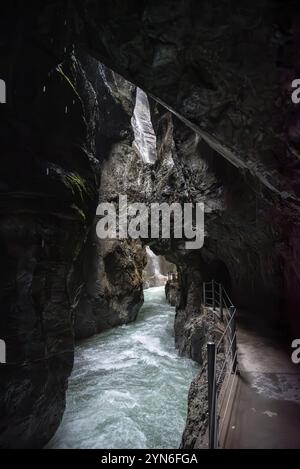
(219, 272)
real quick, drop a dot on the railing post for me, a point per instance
(212, 394)
(232, 319)
(213, 295)
(221, 301)
(204, 295)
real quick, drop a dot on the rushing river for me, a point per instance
(129, 387)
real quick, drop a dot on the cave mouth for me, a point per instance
(219, 272)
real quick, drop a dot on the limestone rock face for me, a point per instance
(113, 291)
(58, 280)
(111, 270)
(225, 68)
(197, 421)
(172, 291)
(36, 318)
(48, 188)
(227, 136)
(219, 65)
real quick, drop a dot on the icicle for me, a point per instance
(66, 110)
(44, 89)
(47, 171)
(73, 101)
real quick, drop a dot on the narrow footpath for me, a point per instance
(265, 410)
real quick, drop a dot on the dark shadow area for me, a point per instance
(219, 272)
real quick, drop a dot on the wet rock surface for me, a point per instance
(112, 288)
(48, 186)
(58, 283)
(226, 70)
(172, 291)
(222, 69)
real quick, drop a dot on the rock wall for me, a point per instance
(111, 270)
(48, 189)
(50, 177)
(112, 289)
(172, 292)
(222, 68)
(225, 69)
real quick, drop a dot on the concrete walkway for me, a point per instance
(265, 411)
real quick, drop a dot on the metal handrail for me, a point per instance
(216, 297)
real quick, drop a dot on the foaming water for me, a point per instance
(129, 387)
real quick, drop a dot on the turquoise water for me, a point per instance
(129, 387)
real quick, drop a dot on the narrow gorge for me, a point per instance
(135, 371)
(165, 102)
